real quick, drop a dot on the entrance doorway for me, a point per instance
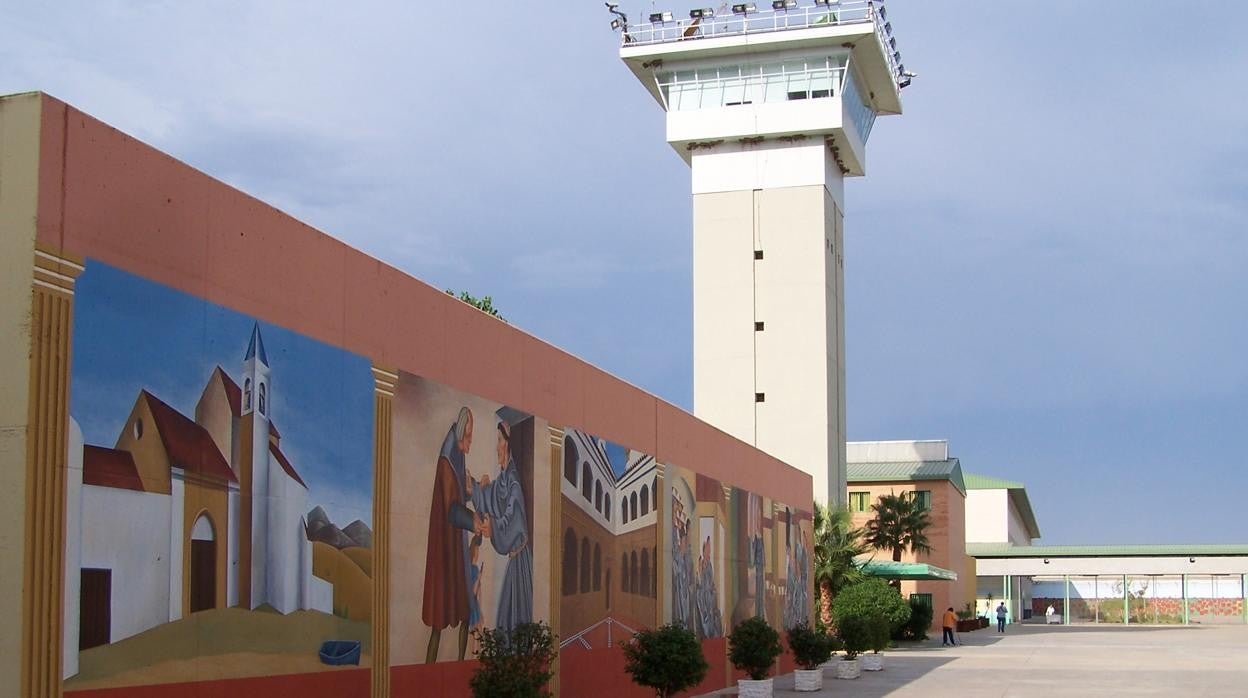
(203, 565)
(94, 608)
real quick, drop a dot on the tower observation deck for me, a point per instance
(772, 108)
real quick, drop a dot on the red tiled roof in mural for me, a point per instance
(290, 469)
(234, 395)
(188, 445)
(109, 467)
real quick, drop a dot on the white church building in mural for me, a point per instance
(185, 514)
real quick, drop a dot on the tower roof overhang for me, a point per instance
(867, 51)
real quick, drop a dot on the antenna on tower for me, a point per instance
(621, 20)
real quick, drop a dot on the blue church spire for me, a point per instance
(255, 348)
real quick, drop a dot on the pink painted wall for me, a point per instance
(106, 195)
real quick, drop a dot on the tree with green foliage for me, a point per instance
(485, 303)
(810, 647)
(855, 633)
(753, 647)
(872, 597)
(668, 659)
(514, 664)
(921, 614)
(900, 525)
(838, 546)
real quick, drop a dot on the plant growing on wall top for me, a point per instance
(485, 303)
(668, 659)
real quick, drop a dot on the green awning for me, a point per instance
(887, 569)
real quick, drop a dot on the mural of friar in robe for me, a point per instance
(465, 474)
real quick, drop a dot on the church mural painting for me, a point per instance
(608, 524)
(219, 495)
(696, 529)
(469, 520)
(769, 556)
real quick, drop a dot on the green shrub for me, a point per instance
(855, 632)
(880, 633)
(753, 647)
(873, 597)
(810, 647)
(515, 664)
(920, 621)
(668, 659)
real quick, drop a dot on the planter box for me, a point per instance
(983, 622)
(848, 669)
(808, 680)
(966, 626)
(872, 662)
(747, 688)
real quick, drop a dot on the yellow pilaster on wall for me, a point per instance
(556, 540)
(51, 325)
(384, 381)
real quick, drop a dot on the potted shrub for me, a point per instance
(753, 647)
(873, 597)
(966, 619)
(811, 649)
(877, 640)
(920, 622)
(668, 659)
(854, 631)
(515, 663)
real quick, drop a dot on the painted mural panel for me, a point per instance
(219, 499)
(609, 511)
(732, 554)
(470, 520)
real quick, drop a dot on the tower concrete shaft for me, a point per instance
(772, 110)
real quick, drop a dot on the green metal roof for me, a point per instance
(887, 569)
(999, 550)
(983, 482)
(1018, 495)
(908, 471)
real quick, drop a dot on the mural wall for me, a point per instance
(220, 496)
(470, 520)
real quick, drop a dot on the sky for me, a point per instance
(1043, 265)
(131, 334)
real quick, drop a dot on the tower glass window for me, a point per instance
(923, 499)
(706, 87)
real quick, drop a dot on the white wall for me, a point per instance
(128, 532)
(286, 539)
(176, 553)
(1111, 565)
(73, 550)
(231, 548)
(896, 451)
(1018, 533)
(987, 514)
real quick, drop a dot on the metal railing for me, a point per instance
(767, 20)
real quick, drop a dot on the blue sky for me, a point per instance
(132, 334)
(1044, 264)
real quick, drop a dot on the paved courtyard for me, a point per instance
(1056, 661)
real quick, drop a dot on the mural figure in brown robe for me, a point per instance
(451, 527)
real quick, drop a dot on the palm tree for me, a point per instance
(837, 545)
(900, 524)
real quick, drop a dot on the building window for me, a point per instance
(624, 510)
(923, 499)
(261, 400)
(606, 509)
(584, 565)
(645, 500)
(587, 482)
(645, 572)
(624, 578)
(632, 505)
(247, 395)
(632, 572)
(859, 501)
(138, 428)
(570, 457)
(925, 599)
(597, 567)
(569, 562)
(598, 496)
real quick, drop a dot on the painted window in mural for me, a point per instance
(201, 529)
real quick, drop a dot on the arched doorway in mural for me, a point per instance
(203, 565)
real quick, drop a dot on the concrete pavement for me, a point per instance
(1053, 661)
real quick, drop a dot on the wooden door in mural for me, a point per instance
(94, 608)
(203, 575)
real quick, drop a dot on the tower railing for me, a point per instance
(765, 21)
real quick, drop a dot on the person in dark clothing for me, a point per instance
(1001, 614)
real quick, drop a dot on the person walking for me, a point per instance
(949, 622)
(1001, 614)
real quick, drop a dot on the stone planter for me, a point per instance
(808, 680)
(747, 688)
(872, 662)
(848, 669)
